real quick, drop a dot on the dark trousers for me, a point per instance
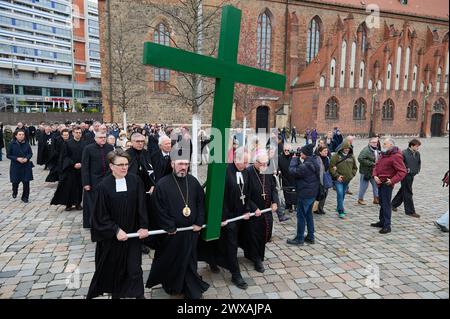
(33, 140)
(230, 234)
(293, 138)
(405, 195)
(322, 203)
(26, 189)
(385, 193)
(1, 153)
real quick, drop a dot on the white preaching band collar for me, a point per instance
(121, 185)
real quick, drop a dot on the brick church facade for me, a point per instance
(380, 67)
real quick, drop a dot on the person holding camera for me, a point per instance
(307, 177)
(389, 170)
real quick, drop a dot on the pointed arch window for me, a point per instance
(313, 42)
(332, 109)
(264, 34)
(411, 112)
(359, 109)
(161, 77)
(388, 110)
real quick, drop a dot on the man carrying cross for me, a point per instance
(263, 194)
(179, 202)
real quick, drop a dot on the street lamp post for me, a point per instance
(372, 111)
(14, 83)
(73, 56)
(422, 126)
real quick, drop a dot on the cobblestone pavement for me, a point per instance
(45, 253)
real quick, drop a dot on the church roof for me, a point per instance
(429, 8)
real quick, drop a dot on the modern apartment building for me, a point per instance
(38, 71)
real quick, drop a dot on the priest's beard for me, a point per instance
(181, 174)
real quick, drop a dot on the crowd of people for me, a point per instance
(137, 179)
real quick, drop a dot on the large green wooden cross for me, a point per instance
(227, 72)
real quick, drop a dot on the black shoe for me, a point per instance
(78, 207)
(442, 228)
(394, 209)
(259, 267)
(14, 195)
(239, 282)
(68, 208)
(309, 241)
(294, 242)
(214, 269)
(25, 200)
(145, 250)
(283, 218)
(320, 212)
(385, 230)
(415, 215)
(378, 225)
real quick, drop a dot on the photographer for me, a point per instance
(307, 179)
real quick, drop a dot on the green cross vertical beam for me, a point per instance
(227, 72)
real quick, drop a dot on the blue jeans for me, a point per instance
(305, 218)
(341, 189)
(364, 184)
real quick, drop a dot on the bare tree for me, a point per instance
(125, 66)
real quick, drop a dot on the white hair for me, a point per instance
(162, 139)
(390, 140)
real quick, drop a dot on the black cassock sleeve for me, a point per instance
(141, 205)
(65, 159)
(200, 205)
(85, 161)
(103, 226)
(162, 208)
(274, 191)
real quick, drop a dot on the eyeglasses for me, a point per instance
(262, 164)
(102, 137)
(121, 165)
(140, 141)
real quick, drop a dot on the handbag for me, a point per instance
(327, 180)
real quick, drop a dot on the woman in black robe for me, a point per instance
(179, 202)
(119, 209)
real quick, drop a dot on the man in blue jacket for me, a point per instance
(307, 175)
(21, 169)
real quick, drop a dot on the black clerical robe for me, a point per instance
(118, 263)
(70, 188)
(161, 164)
(223, 252)
(175, 262)
(94, 167)
(44, 148)
(256, 232)
(140, 165)
(54, 160)
(288, 180)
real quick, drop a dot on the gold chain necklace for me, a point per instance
(186, 209)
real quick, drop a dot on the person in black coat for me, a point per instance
(94, 167)
(32, 134)
(2, 143)
(21, 169)
(307, 176)
(44, 146)
(161, 160)
(288, 181)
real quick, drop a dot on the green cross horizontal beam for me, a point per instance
(166, 57)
